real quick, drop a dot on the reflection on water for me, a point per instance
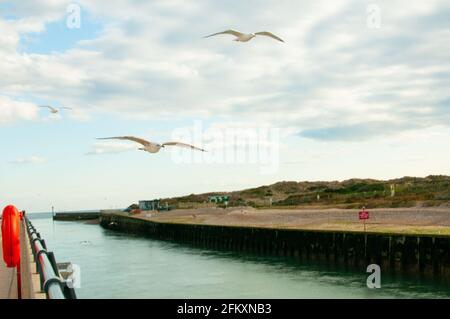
(115, 265)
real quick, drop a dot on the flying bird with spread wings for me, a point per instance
(245, 37)
(151, 147)
(55, 110)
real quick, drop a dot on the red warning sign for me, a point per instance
(364, 214)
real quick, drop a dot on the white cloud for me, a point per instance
(11, 110)
(153, 63)
(79, 114)
(101, 148)
(29, 160)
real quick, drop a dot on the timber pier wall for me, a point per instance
(418, 255)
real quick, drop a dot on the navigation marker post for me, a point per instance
(363, 215)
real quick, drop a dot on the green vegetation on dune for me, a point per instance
(403, 192)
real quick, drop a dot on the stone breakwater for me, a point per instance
(75, 216)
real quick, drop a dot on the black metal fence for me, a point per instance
(51, 282)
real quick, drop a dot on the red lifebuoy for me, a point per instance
(11, 236)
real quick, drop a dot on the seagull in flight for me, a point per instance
(245, 37)
(152, 147)
(54, 110)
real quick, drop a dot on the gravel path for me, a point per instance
(399, 220)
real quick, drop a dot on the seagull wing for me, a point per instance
(269, 34)
(48, 107)
(129, 138)
(232, 32)
(65, 108)
(179, 144)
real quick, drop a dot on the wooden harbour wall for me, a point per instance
(74, 216)
(418, 255)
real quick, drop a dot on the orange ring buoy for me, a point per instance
(11, 236)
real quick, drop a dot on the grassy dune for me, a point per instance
(430, 191)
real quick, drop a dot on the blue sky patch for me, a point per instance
(57, 37)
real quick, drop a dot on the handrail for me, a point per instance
(51, 283)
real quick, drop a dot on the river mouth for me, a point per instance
(116, 265)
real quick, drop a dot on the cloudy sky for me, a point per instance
(358, 89)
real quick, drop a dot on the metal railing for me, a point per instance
(51, 282)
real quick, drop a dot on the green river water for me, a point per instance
(115, 265)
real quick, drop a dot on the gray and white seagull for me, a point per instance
(55, 110)
(245, 37)
(151, 147)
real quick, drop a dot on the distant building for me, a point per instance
(149, 204)
(218, 199)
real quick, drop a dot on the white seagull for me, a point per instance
(245, 37)
(55, 110)
(152, 147)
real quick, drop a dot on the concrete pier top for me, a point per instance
(30, 278)
(414, 221)
(8, 278)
